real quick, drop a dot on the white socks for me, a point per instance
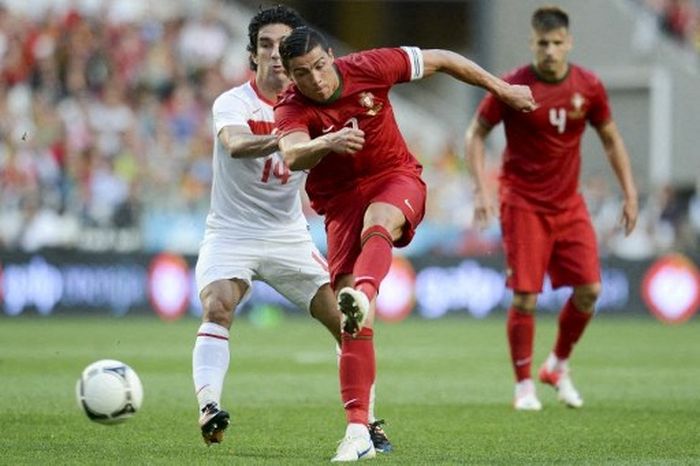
(210, 359)
(357, 430)
(524, 387)
(554, 364)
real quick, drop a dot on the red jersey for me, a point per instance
(365, 80)
(542, 158)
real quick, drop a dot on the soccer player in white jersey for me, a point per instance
(255, 228)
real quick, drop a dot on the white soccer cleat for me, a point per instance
(526, 397)
(561, 381)
(354, 448)
(354, 305)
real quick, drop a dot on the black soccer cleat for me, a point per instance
(213, 423)
(378, 436)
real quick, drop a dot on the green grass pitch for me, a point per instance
(444, 386)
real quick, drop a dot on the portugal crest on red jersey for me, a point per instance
(367, 101)
(578, 102)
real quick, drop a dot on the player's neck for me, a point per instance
(338, 87)
(270, 86)
(552, 76)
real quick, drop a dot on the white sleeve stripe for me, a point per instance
(415, 56)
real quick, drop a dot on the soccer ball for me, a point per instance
(109, 391)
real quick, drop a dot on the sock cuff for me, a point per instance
(376, 230)
(213, 330)
(365, 334)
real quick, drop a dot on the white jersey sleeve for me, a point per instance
(230, 110)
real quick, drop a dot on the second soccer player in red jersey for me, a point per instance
(337, 121)
(545, 224)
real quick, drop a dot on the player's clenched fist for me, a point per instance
(519, 97)
(346, 140)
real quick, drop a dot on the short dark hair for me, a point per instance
(548, 18)
(279, 14)
(301, 41)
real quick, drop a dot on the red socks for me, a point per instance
(572, 323)
(374, 260)
(357, 363)
(521, 334)
(357, 373)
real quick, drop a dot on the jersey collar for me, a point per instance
(260, 95)
(551, 81)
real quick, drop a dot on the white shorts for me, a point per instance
(294, 268)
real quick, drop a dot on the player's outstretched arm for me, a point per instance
(300, 152)
(459, 67)
(241, 143)
(619, 160)
(475, 143)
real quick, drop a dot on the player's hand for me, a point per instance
(519, 97)
(484, 210)
(630, 212)
(346, 140)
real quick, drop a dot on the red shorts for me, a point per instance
(562, 244)
(345, 214)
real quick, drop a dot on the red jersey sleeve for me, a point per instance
(599, 112)
(390, 65)
(290, 116)
(490, 110)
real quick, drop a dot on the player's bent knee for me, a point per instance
(586, 296)
(525, 302)
(217, 310)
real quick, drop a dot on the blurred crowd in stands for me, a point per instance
(680, 19)
(105, 137)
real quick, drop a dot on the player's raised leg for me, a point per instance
(573, 320)
(210, 357)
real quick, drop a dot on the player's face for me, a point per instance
(267, 53)
(551, 49)
(314, 74)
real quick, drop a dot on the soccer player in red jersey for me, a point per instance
(336, 121)
(546, 226)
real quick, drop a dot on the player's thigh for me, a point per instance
(296, 270)
(224, 258)
(575, 254)
(408, 194)
(343, 231)
(527, 242)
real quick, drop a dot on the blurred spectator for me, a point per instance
(104, 113)
(680, 19)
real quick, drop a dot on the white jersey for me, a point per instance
(252, 197)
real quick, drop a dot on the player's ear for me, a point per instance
(533, 40)
(330, 54)
(254, 58)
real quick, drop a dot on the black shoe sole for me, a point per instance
(213, 430)
(349, 308)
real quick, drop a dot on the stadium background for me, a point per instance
(105, 150)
